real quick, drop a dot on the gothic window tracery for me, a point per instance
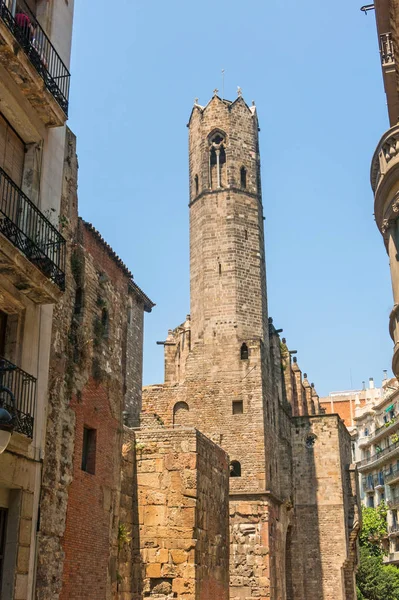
(217, 160)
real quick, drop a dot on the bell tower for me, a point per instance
(227, 262)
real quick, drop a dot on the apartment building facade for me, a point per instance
(35, 44)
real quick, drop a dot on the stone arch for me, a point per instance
(235, 468)
(180, 413)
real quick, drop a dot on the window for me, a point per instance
(370, 501)
(196, 184)
(78, 300)
(243, 177)
(3, 531)
(129, 311)
(217, 160)
(180, 413)
(89, 450)
(235, 469)
(244, 352)
(238, 407)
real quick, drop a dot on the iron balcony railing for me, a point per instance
(393, 474)
(28, 229)
(40, 51)
(368, 484)
(385, 426)
(378, 455)
(23, 387)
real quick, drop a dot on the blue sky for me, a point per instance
(313, 69)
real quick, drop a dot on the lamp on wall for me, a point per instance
(7, 418)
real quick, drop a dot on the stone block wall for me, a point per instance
(182, 512)
(322, 542)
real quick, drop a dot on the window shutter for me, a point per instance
(12, 152)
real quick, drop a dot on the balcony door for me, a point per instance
(12, 152)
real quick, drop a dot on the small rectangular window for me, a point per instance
(89, 450)
(238, 407)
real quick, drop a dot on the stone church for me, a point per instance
(226, 481)
(293, 507)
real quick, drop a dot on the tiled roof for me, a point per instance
(148, 304)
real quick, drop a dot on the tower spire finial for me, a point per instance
(239, 91)
(215, 92)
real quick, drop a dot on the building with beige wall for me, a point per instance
(346, 403)
(35, 44)
(384, 165)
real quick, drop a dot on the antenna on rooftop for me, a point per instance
(223, 72)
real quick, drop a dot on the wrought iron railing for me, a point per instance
(40, 51)
(23, 387)
(393, 474)
(368, 484)
(28, 229)
(378, 455)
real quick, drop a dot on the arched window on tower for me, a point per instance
(217, 161)
(243, 178)
(235, 469)
(244, 352)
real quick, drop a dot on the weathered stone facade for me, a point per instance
(179, 516)
(228, 373)
(92, 341)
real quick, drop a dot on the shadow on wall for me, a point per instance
(130, 565)
(303, 550)
(323, 539)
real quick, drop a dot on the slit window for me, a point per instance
(89, 450)
(196, 184)
(235, 469)
(238, 407)
(78, 300)
(243, 177)
(244, 352)
(105, 321)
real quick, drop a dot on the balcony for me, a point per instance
(23, 387)
(368, 484)
(392, 557)
(393, 529)
(33, 251)
(393, 501)
(32, 61)
(392, 477)
(379, 457)
(384, 167)
(364, 441)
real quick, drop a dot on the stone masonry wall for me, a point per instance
(78, 537)
(182, 480)
(320, 545)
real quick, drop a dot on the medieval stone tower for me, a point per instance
(228, 374)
